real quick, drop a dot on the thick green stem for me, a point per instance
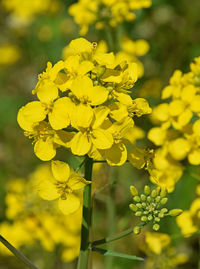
(116, 236)
(86, 220)
(17, 253)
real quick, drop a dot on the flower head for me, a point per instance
(149, 206)
(64, 186)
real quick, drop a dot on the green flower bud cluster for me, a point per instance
(149, 206)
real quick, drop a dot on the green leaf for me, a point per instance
(106, 252)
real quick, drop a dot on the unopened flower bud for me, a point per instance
(138, 213)
(136, 199)
(143, 197)
(164, 210)
(144, 205)
(147, 190)
(158, 190)
(144, 218)
(153, 193)
(139, 205)
(175, 212)
(157, 199)
(163, 192)
(161, 215)
(149, 199)
(133, 190)
(156, 227)
(137, 230)
(133, 207)
(164, 201)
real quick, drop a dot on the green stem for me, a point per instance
(116, 236)
(112, 226)
(86, 220)
(17, 253)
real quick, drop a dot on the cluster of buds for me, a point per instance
(149, 206)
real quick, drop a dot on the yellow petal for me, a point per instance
(82, 86)
(123, 98)
(34, 111)
(118, 111)
(59, 118)
(157, 135)
(46, 91)
(196, 127)
(101, 114)
(101, 139)
(179, 148)
(80, 144)
(82, 116)
(85, 67)
(23, 122)
(97, 95)
(176, 107)
(47, 190)
(194, 157)
(44, 150)
(195, 105)
(60, 170)
(137, 157)
(81, 45)
(77, 182)
(69, 205)
(116, 155)
(185, 117)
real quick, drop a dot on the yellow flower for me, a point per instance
(129, 108)
(25, 11)
(58, 112)
(87, 95)
(157, 241)
(103, 12)
(9, 54)
(45, 139)
(185, 222)
(64, 186)
(74, 67)
(117, 154)
(93, 135)
(46, 88)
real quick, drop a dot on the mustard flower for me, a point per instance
(64, 186)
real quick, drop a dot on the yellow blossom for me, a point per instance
(62, 186)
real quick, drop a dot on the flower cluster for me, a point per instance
(85, 105)
(149, 206)
(189, 220)
(130, 51)
(31, 219)
(25, 11)
(178, 135)
(161, 254)
(105, 12)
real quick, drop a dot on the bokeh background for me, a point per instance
(28, 40)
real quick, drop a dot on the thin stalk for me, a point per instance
(86, 219)
(115, 237)
(17, 253)
(112, 226)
